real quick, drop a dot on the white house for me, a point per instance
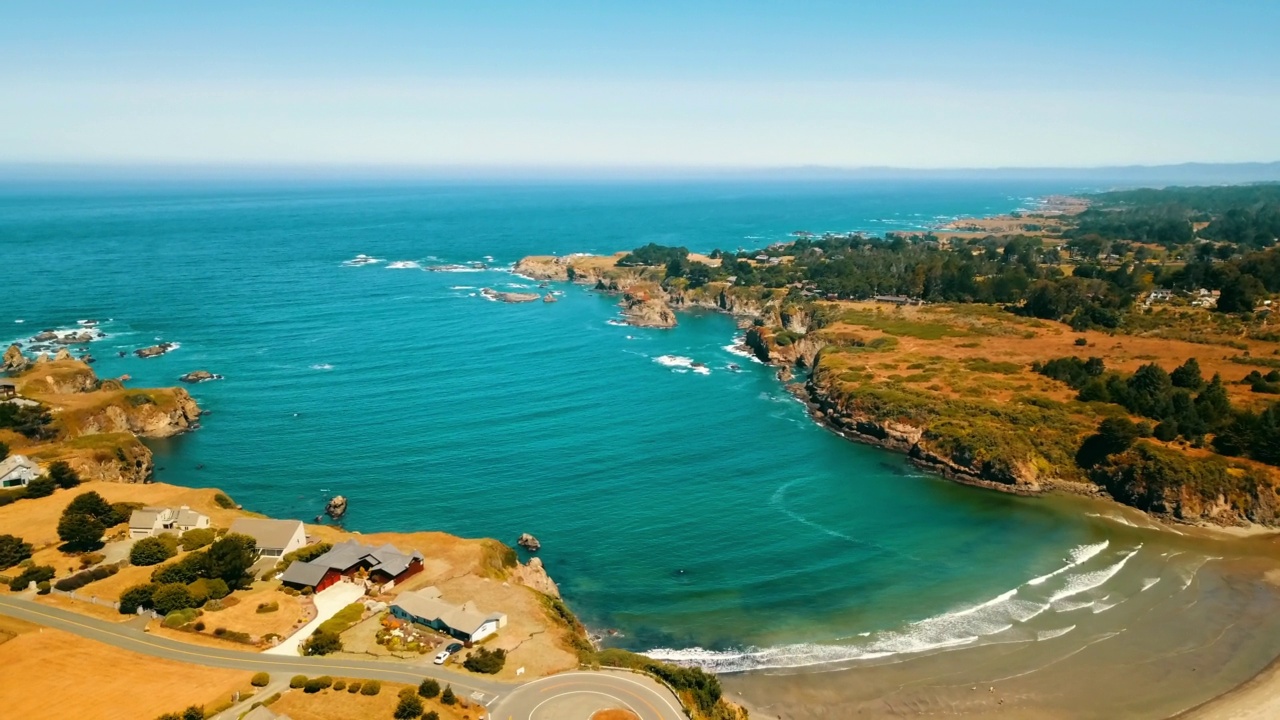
(275, 538)
(152, 521)
(16, 471)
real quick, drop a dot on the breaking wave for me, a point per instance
(1079, 555)
(680, 363)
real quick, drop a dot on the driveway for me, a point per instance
(328, 602)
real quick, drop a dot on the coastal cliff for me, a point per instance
(894, 377)
(95, 424)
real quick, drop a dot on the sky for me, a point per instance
(743, 84)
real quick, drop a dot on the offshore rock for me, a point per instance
(199, 376)
(13, 360)
(529, 542)
(154, 350)
(336, 508)
(62, 354)
(509, 297)
(548, 298)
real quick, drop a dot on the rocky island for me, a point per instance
(509, 297)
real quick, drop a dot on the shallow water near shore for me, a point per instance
(694, 510)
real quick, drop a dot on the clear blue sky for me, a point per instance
(909, 83)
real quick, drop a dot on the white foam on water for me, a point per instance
(19, 321)
(462, 287)
(1051, 634)
(1078, 556)
(403, 265)
(362, 259)
(1071, 605)
(1085, 582)
(322, 366)
(615, 323)
(1148, 582)
(680, 363)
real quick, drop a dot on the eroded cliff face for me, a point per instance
(840, 412)
(154, 413)
(535, 576)
(98, 422)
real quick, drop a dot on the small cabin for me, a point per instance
(8, 390)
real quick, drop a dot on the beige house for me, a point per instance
(275, 538)
(16, 471)
(464, 622)
(152, 521)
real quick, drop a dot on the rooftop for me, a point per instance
(13, 462)
(268, 533)
(426, 604)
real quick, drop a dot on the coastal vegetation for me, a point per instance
(1078, 349)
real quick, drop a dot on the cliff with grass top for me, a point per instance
(1122, 346)
(65, 412)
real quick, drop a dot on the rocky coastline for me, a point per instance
(763, 314)
(95, 424)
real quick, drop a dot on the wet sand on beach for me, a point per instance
(1153, 656)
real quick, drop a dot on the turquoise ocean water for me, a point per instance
(684, 509)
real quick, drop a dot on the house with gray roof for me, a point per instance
(384, 566)
(275, 538)
(152, 521)
(17, 471)
(465, 621)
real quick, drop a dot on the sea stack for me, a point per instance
(529, 542)
(336, 508)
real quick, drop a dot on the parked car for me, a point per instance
(443, 655)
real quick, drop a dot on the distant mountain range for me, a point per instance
(1129, 175)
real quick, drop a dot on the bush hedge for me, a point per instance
(80, 579)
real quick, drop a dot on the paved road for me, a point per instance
(579, 694)
(574, 694)
(126, 637)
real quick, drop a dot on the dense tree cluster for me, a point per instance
(85, 519)
(1181, 402)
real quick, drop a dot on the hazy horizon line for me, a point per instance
(1252, 171)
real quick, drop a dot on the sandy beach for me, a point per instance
(1202, 647)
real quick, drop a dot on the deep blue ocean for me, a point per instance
(683, 509)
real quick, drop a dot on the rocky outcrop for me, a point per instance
(154, 350)
(529, 542)
(62, 354)
(643, 310)
(65, 378)
(336, 507)
(548, 298)
(534, 575)
(199, 376)
(544, 267)
(156, 414)
(509, 297)
(128, 462)
(14, 360)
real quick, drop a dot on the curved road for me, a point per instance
(542, 699)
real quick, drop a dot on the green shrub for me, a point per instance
(42, 486)
(153, 550)
(371, 687)
(43, 587)
(306, 553)
(488, 662)
(137, 596)
(447, 697)
(224, 502)
(207, 589)
(313, 686)
(62, 475)
(196, 539)
(184, 570)
(322, 642)
(181, 618)
(260, 679)
(431, 715)
(343, 619)
(409, 708)
(297, 681)
(428, 688)
(13, 551)
(267, 607)
(339, 684)
(354, 687)
(168, 597)
(32, 574)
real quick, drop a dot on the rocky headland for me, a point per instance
(509, 297)
(1002, 441)
(93, 424)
